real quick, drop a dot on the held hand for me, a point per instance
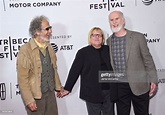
(32, 106)
(59, 93)
(62, 93)
(65, 92)
(153, 89)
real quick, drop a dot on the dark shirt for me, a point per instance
(103, 67)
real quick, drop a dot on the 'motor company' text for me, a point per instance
(35, 4)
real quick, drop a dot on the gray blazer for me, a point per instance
(140, 67)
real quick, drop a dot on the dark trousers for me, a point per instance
(46, 105)
(140, 103)
(104, 108)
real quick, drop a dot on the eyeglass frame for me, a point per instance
(97, 35)
(47, 28)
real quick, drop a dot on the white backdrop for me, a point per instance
(71, 20)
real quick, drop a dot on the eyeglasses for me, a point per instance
(47, 29)
(97, 35)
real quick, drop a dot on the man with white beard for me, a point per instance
(130, 55)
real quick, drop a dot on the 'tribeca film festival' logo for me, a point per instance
(10, 47)
(106, 4)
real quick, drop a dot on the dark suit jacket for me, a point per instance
(87, 65)
(140, 66)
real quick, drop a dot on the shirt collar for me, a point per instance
(41, 45)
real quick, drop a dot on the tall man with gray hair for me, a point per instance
(37, 70)
(130, 55)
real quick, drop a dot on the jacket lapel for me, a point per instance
(128, 43)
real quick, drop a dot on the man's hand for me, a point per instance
(153, 89)
(32, 106)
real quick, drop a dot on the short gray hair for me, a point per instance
(119, 12)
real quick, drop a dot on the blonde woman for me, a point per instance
(88, 62)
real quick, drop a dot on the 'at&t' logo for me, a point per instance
(2, 91)
(149, 2)
(63, 47)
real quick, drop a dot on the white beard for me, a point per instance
(115, 30)
(44, 39)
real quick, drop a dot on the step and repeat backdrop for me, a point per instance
(71, 21)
